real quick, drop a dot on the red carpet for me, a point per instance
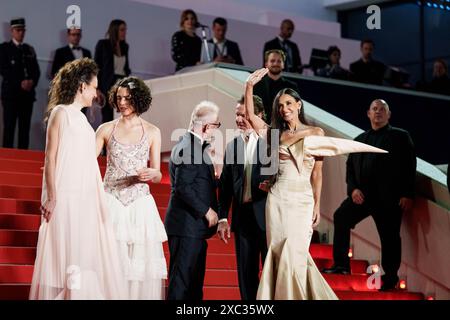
(20, 192)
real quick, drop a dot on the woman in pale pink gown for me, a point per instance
(76, 252)
(133, 151)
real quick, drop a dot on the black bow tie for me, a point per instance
(76, 48)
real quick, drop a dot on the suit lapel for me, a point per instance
(70, 53)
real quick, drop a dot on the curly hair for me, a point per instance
(141, 97)
(67, 82)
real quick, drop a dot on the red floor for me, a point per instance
(20, 190)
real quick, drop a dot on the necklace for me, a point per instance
(292, 131)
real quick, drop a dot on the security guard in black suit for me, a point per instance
(20, 71)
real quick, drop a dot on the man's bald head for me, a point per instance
(378, 114)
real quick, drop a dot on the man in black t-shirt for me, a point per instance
(366, 69)
(273, 82)
(378, 185)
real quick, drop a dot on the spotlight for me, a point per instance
(375, 268)
(350, 253)
(402, 284)
(430, 298)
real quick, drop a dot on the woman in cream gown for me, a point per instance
(293, 202)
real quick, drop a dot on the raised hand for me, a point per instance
(256, 76)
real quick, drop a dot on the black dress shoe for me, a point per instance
(388, 286)
(337, 270)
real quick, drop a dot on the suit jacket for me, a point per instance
(395, 171)
(104, 57)
(64, 55)
(232, 183)
(232, 50)
(17, 65)
(193, 190)
(296, 60)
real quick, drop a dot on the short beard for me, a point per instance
(276, 72)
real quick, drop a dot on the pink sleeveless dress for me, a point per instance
(76, 252)
(138, 227)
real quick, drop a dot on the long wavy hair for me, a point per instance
(113, 32)
(278, 123)
(67, 82)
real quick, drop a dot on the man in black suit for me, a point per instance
(220, 48)
(70, 52)
(378, 185)
(192, 212)
(273, 82)
(20, 71)
(239, 183)
(290, 49)
(366, 69)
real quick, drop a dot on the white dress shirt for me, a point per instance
(78, 54)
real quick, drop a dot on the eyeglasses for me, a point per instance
(214, 125)
(75, 34)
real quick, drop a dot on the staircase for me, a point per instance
(20, 191)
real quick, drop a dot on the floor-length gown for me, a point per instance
(289, 272)
(76, 251)
(139, 230)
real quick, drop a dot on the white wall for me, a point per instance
(149, 32)
(308, 15)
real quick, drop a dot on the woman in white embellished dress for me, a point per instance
(131, 143)
(293, 202)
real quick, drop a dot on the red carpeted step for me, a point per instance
(324, 251)
(17, 255)
(21, 166)
(220, 277)
(376, 295)
(20, 192)
(19, 206)
(6, 153)
(162, 200)
(16, 273)
(20, 179)
(14, 291)
(18, 238)
(17, 221)
(221, 293)
(354, 282)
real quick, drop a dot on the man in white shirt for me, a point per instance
(221, 49)
(239, 184)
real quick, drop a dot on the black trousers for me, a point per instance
(187, 268)
(251, 248)
(388, 221)
(18, 110)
